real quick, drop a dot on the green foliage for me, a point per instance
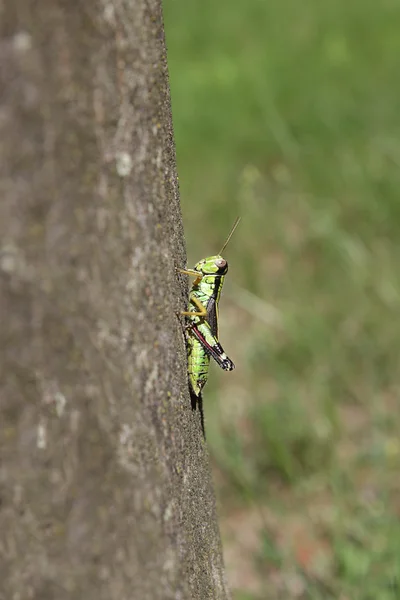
(287, 113)
(367, 551)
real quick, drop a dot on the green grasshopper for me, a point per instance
(202, 317)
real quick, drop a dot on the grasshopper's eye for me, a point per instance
(220, 263)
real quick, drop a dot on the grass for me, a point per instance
(287, 113)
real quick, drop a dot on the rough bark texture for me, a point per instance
(105, 486)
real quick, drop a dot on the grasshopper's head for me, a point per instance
(216, 265)
(213, 265)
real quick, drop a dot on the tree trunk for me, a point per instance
(105, 485)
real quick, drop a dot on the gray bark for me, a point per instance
(105, 485)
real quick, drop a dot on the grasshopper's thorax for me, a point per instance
(212, 271)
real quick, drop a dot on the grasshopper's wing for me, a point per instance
(212, 316)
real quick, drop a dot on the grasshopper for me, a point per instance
(202, 318)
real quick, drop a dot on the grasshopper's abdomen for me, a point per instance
(198, 365)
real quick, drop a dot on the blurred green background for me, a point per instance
(288, 114)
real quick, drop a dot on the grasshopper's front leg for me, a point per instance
(202, 312)
(192, 273)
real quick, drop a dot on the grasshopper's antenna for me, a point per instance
(236, 223)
